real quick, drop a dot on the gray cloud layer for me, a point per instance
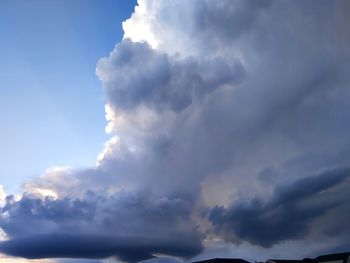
(290, 211)
(220, 106)
(99, 227)
(91, 246)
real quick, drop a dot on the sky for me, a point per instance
(50, 95)
(174, 131)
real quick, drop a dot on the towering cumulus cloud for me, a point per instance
(230, 133)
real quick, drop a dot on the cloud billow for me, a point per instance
(146, 76)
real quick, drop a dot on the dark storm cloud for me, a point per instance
(77, 260)
(97, 247)
(289, 213)
(130, 227)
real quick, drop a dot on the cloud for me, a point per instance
(7, 259)
(288, 214)
(128, 249)
(151, 78)
(2, 195)
(131, 227)
(221, 106)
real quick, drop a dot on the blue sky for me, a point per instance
(51, 103)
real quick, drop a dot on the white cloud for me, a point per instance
(6, 259)
(2, 195)
(138, 28)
